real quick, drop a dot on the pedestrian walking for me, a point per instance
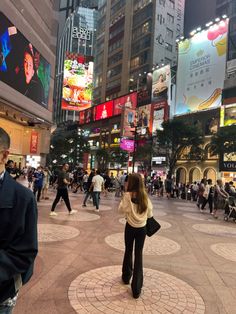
(38, 182)
(18, 232)
(63, 181)
(220, 197)
(97, 186)
(89, 189)
(46, 180)
(137, 207)
(208, 196)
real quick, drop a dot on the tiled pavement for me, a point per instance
(189, 267)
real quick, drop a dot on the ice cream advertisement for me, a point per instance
(201, 69)
(77, 82)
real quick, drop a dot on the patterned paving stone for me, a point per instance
(101, 207)
(226, 250)
(80, 216)
(187, 209)
(155, 245)
(214, 229)
(159, 213)
(101, 291)
(201, 217)
(51, 233)
(164, 224)
(187, 204)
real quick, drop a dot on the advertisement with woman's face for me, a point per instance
(21, 66)
(161, 84)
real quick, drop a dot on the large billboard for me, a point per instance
(201, 69)
(161, 83)
(21, 65)
(77, 82)
(228, 115)
(129, 101)
(144, 120)
(104, 110)
(128, 122)
(159, 114)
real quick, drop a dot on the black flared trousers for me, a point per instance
(134, 237)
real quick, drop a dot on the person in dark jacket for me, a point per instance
(89, 183)
(18, 232)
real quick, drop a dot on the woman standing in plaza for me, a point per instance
(137, 207)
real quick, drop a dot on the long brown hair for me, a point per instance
(136, 184)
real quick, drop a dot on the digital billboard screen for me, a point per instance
(77, 82)
(21, 65)
(228, 115)
(128, 101)
(159, 114)
(127, 145)
(144, 120)
(201, 69)
(104, 110)
(161, 82)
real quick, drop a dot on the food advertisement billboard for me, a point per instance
(201, 69)
(161, 84)
(228, 115)
(128, 101)
(22, 67)
(77, 82)
(104, 110)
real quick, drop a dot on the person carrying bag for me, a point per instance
(137, 208)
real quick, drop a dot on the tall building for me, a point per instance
(228, 7)
(28, 36)
(133, 37)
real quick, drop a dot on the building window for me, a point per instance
(170, 18)
(114, 71)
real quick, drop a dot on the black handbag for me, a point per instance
(152, 226)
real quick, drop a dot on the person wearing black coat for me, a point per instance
(18, 232)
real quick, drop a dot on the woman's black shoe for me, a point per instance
(136, 295)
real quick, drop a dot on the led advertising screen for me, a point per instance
(144, 120)
(77, 82)
(161, 83)
(104, 110)
(127, 145)
(159, 114)
(128, 122)
(22, 66)
(128, 101)
(228, 115)
(89, 115)
(201, 69)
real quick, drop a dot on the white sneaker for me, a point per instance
(96, 210)
(53, 214)
(73, 211)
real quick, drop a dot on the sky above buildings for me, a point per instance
(198, 13)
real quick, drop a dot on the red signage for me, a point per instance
(128, 101)
(104, 110)
(34, 142)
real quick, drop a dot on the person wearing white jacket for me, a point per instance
(137, 207)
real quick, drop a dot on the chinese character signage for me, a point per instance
(128, 101)
(34, 142)
(201, 69)
(127, 145)
(77, 82)
(21, 65)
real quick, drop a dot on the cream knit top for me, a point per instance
(133, 218)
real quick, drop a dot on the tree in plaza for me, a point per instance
(224, 141)
(67, 145)
(120, 157)
(178, 140)
(102, 158)
(143, 154)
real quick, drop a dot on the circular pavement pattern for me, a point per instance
(155, 245)
(201, 217)
(185, 204)
(187, 209)
(80, 216)
(164, 224)
(101, 291)
(218, 230)
(226, 250)
(51, 233)
(159, 213)
(101, 207)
